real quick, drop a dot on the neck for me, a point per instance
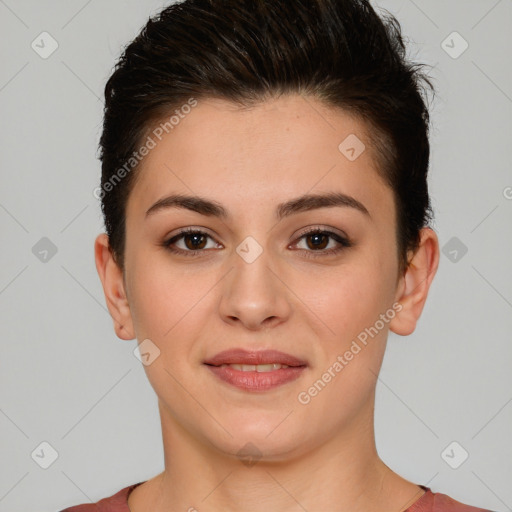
(344, 474)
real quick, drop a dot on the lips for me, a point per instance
(255, 371)
(245, 357)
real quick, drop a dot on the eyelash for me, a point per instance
(342, 241)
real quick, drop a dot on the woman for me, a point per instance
(264, 190)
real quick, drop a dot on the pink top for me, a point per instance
(428, 502)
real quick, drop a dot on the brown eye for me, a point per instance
(195, 241)
(190, 242)
(318, 241)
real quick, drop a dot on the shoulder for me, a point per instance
(444, 503)
(438, 502)
(118, 502)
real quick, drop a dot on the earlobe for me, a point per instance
(414, 285)
(111, 277)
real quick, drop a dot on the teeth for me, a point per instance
(256, 367)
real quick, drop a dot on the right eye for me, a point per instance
(193, 241)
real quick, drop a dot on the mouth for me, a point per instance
(243, 357)
(255, 371)
(260, 368)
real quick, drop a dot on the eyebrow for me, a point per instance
(303, 203)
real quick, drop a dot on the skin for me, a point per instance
(317, 456)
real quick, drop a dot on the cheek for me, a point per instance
(171, 305)
(348, 362)
(159, 298)
(166, 308)
(345, 300)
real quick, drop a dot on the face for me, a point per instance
(275, 273)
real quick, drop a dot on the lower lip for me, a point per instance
(257, 381)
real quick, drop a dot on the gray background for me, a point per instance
(65, 378)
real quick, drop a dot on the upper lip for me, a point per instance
(241, 356)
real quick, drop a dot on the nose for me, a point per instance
(254, 294)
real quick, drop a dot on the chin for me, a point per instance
(261, 441)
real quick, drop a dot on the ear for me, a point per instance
(414, 285)
(114, 288)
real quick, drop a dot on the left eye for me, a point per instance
(319, 240)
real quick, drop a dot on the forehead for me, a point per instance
(276, 149)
